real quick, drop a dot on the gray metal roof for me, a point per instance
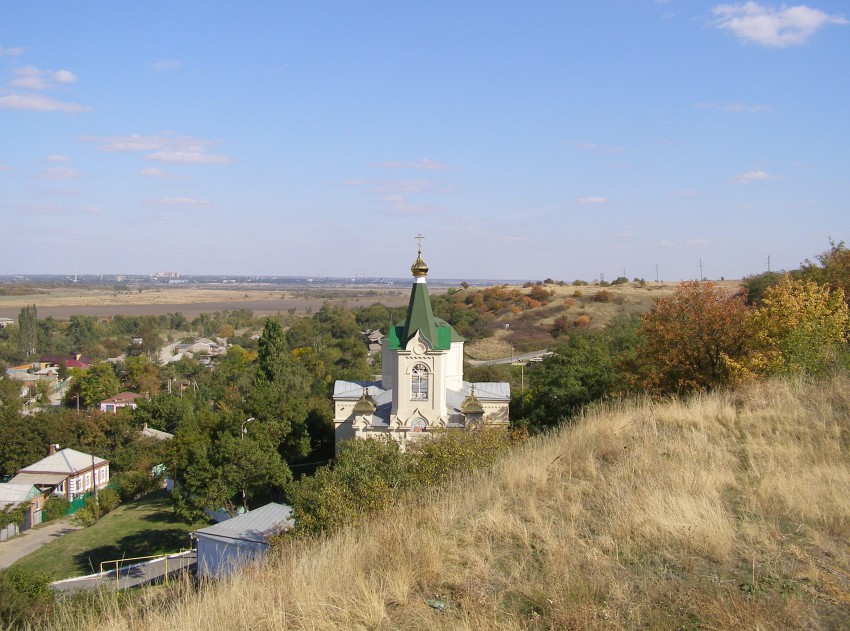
(256, 525)
(68, 461)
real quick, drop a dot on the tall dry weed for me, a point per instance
(720, 512)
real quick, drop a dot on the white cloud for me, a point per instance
(754, 176)
(39, 103)
(183, 202)
(59, 174)
(593, 200)
(189, 157)
(771, 26)
(31, 78)
(58, 158)
(154, 172)
(165, 147)
(424, 163)
(698, 241)
(734, 107)
(11, 52)
(167, 65)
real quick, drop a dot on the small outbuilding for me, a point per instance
(227, 546)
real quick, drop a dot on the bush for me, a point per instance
(582, 320)
(108, 500)
(603, 296)
(620, 280)
(134, 484)
(569, 302)
(26, 598)
(578, 293)
(55, 508)
(580, 283)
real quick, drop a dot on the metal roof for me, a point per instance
(42, 479)
(256, 525)
(15, 493)
(67, 461)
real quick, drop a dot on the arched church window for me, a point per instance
(419, 382)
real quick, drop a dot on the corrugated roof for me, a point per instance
(43, 479)
(11, 493)
(256, 525)
(66, 461)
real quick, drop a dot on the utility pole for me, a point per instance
(768, 263)
(700, 271)
(656, 272)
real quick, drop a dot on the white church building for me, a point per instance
(422, 386)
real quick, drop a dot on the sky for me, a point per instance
(524, 140)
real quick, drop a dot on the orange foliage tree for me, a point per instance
(690, 340)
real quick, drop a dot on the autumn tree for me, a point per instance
(800, 327)
(689, 339)
(832, 268)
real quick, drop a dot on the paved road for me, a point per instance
(18, 547)
(512, 359)
(131, 575)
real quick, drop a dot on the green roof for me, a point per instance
(420, 318)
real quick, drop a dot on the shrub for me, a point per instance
(580, 283)
(107, 500)
(55, 508)
(569, 302)
(578, 293)
(620, 280)
(582, 320)
(603, 296)
(134, 484)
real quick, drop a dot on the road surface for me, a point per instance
(512, 359)
(21, 545)
(131, 575)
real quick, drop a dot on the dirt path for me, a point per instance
(18, 547)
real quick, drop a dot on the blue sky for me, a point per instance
(524, 140)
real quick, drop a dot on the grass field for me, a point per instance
(145, 527)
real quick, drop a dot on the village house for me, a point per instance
(422, 386)
(65, 473)
(13, 496)
(119, 401)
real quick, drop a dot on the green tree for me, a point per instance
(83, 333)
(28, 331)
(94, 384)
(219, 469)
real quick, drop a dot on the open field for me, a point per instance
(63, 303)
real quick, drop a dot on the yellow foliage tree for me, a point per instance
(800, 327)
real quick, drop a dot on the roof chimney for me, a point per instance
(53, 449)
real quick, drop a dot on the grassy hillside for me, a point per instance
(726, 511)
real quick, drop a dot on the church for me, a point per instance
(422, 386)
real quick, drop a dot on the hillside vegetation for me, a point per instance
(721, 511)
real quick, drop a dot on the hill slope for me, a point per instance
(724, 511)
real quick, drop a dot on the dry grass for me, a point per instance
(722, 512)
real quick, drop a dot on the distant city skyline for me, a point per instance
(525, 141)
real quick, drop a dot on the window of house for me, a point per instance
(88, 480)
(419, 382)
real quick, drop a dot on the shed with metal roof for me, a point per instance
(227, 546)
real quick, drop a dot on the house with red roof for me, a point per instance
(119, 401)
